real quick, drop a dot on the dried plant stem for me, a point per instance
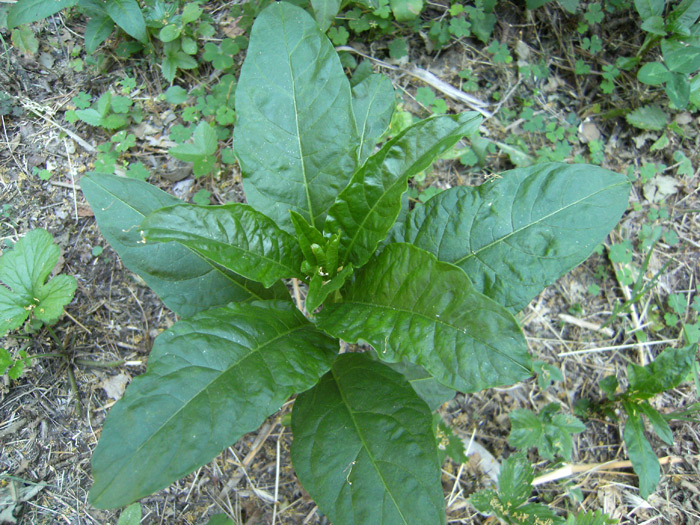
(591, 468)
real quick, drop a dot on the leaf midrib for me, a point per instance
(213, 268)
(437, 321)
(471, 254)
(274, 262)
(297, 124)
(366, 447)
(197, 394)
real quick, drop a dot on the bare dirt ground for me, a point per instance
(48, 428)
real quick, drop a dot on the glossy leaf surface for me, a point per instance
(25, 270)
(517, 234)
(407, 304)
(373, 102)
(296, 137)
(367, 208)
(186, 282)
(234, 236)
(210, 379)
(364, 447)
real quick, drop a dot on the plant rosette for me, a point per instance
(433, 293)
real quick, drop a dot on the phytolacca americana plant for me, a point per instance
(434, 295)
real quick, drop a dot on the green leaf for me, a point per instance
(644, 461)
(191, 12)
(130, 515)
(373, 102)
(234, 236)
(186, 282)
(509, 503)
(24, 40)
(550, 431)
(319, 288)
(325, 12)
(649, 8)
(127, 15)
(515, 235)
(24, 270)
(169, 32)
(653, 74)
(655, 25)
(407, 304)
(364, 447)
(296, 137)
(366, 209)
(515, 480)
(678, 90)
(590, 518)
(406, 10)
(658, 423)
(28, 11)
(648, 117)
(669, 369)
(96, 32)
(210, 379)
(200, 151)
(222, 519)
(307, 235)
(429, 390)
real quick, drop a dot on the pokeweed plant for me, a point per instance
(434, 295)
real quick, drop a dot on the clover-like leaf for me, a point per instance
(25, 270)
(407, 304)
(364, 446)
(210, 379)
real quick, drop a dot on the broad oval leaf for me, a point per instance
(210, 379)
(25, 269)
(127, 15)
(186, 282)
(27, 11)
(97, 31)
(644, 460)
(325, 12)
(366, 209)
(296, 137)
(373, 102)
(516, 235)
(234, 236)
(364, 447)
(407, 304)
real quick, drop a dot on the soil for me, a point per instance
(49, 427)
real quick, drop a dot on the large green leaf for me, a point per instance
(296, 137)
(373, 102)
(642, 456)
(364, 447)
(515, 235)
(25, 269)
(210, 379)
(667, 371)
(407, 304)
(366, 209)
(27, 11)
(429, 390)
(325, 12)
(186, 282)
(234, 236)
(127, 15)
